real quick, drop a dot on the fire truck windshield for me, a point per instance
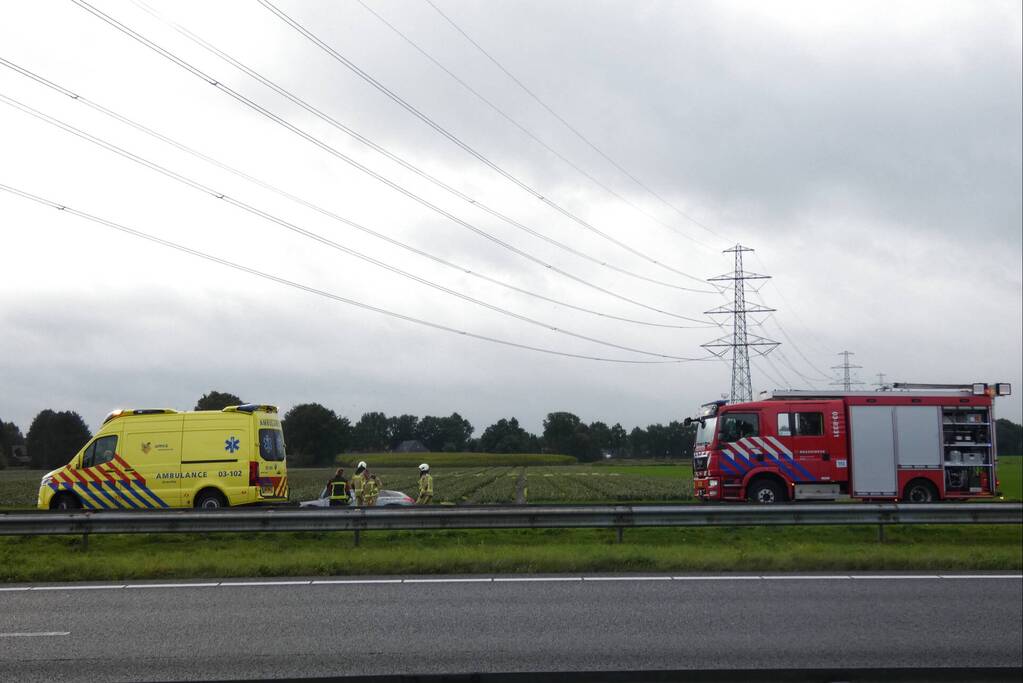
(705, 432)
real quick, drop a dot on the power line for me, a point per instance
(312, 235)
(786, 384)
(572, 128)
(404, 163)
(822, 375)
(331, 150)
(404, 104)
(526, 131)
(784, 359)
(178, 145)
(319, 292)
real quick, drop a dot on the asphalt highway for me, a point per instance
(292, 628)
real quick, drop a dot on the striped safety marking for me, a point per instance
(115, 488)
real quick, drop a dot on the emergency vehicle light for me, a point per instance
(979, 389)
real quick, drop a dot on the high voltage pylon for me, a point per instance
(740, 340)
(880, 380)
(847, 381)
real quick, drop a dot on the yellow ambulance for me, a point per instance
(154, 459)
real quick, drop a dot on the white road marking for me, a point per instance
(806, 578)
(982, 576)
(75, 588)
(446, 580)
(626, 578)
(520, 579)
(538, 578)
(715, 578)
(35, 635)
(896, 577)
(172, 585)
(353, 581)
(265, 583)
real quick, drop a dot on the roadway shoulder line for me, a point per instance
(447, 580)
(537, 578)
(982, 576)
(626, 578)
(15, 588)
(804, 578)
(896, 576)
(716, 578)
(265, 583)
(172, 585)
(323, 582)
(35, 634)
(76, 588)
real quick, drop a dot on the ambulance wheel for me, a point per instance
(765, 492)
(65, 501)
(210, 500)
(920, 491)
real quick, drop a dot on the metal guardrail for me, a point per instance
(519, 517)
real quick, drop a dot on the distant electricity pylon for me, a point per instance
(847, 381)
(740, 340)
(880, 380)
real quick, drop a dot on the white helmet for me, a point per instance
(361, 465)
(424, 467)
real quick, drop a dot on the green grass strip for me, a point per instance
(724, 549)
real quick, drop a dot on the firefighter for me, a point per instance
(338, 489)
(359, 483)
(372, 490)
(425, 485)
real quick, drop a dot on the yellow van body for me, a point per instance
(155, 459)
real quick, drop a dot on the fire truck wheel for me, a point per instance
(920, 491)
(765, 491)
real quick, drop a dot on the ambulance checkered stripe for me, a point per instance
(105, 487)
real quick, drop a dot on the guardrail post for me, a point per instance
(85, 541)
(621, 531)
(880, 533)
(356, 538)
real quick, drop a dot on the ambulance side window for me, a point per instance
(102, 450)
(735, 426)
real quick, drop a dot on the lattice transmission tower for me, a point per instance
(740, 340)
(847, 380)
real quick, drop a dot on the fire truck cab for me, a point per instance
(915, 443)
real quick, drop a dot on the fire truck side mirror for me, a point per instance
(1003, 389)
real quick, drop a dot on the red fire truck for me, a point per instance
(914, 442)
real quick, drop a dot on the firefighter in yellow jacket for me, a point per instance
(425, 485)
(372, 490)
(359, 484)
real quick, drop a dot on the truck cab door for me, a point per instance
(805, 429)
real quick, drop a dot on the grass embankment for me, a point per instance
(512, 551)
(454, 459)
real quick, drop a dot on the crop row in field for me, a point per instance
(456, 459)
(559, 485)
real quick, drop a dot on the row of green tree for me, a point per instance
(315, 435)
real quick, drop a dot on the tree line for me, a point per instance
(316, 435)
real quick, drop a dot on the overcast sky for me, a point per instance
(869, 152)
